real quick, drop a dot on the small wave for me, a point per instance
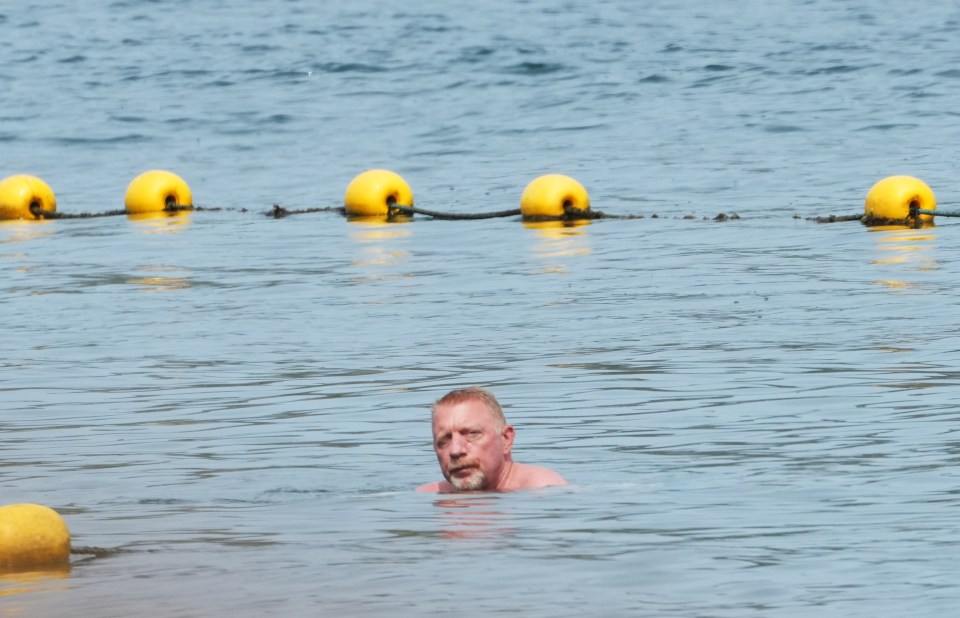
(279, 119)
(258, 49)
(923, 95)
(258, 74)
(473, 55)
(708, 81)
(888, 127)
(782, 128)
(838, 47)
(431, 29)
(833, 70)
(162, 501)
(655, 78)
(73, 59)
(181, 121)
(188, 73)
(295, 491)
(443, 153)
(534, 68)
(92, 141)
(348, 67)
(571, 128)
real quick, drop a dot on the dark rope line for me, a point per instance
(279, 212)
(170, 208)
(575, 214)
(939, 213)
(97, 552)
(188, 208)
(836, 218)
(52, 214)
(911, 221)
(40, 213)
(570, 214)
(411, 210)
(868, 220)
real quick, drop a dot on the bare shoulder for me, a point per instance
(438, 487)
(532, 477)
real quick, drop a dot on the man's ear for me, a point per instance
(508, 433)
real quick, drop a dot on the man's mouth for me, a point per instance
(465, 470)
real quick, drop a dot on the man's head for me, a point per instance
(472, 439)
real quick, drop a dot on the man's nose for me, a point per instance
(458, 446)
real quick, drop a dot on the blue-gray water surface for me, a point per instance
(757, 416)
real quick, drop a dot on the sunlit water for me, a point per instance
(757, 416)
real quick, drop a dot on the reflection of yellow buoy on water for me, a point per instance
(19, 230)
(372, 193)
(377, 239)
(156, 191)
(903, 252)
(36, 579)
(32, 535)
(896, 198)
(558, 241)
(555, 228)
(22, 195)
(551, 196)
(161, 222)
(375, 228)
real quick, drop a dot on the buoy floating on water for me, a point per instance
(551, 195)
(156, 191)
(22, 195)
(895, 197)
(372, 193)
(32, 535)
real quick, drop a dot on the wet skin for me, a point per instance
(475, 453)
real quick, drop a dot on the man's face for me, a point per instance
(470, 447)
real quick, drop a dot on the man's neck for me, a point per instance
(505, 477)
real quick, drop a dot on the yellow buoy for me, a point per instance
(893, 197)
(32, 535)
(155, 191)
(551, 195)
(373, 192)
(19, 194)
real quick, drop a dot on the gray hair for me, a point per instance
(473, 393)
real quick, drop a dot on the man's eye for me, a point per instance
(474, 433)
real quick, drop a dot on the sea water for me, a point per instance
(757, 416)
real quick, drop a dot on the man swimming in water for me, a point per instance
(473, 443)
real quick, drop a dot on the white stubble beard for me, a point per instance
(475, 482)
